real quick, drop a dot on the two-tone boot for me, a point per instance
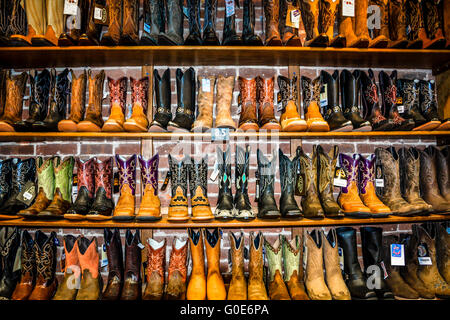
(310, 16)
(224, 208)
(28, 269)
(91, 284)
(256, 288)
(248, 119)
(205, 103)
(242, 206)
(238, 285)
(77, 103)
(328, 13)
(194, 38)
(155, 271)
(225, 86)
(272, 20)
(124, 210)
(443, 167)
(184, 115)
(173, 36)
(91, 35)
(132, 269)
(230, 36)
(163, 97)
(290, 119)
(277, 287)
(15, 91)
(288, 33)
(93, 121)
(196, 289)
(311, 102)
(103, 204)
(248, 33)
(150, 208)
(114, 254)
(288, 205)
(138, 122)
(177, 273)
(215, 288)
(68, 288)
(46, 21)
(198, 188)
(118, 103)
(178, 174)
(9, 246)
(264, 96)
(267, 206)
(115, 18)
(293, 269)
(428, 104)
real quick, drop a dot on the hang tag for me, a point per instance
(348, 8)
(423, 255)
(305, 256)
(166, 180)
(215, 173)
(186, 12)
(341, 258)
(104, 260)
(101, 15)
(323, 96)
(401, 109)
(147, 28)
(206, 85)
(116, 187)
(425, 261)
(229, 7)
(141, 246)
(27, 194)
(220, 134)
(295, 18)
(70, 7)
(340, 183)
(340, 177)
(257, 186)
(385, 274)
(397, 254)
(379, 176)
(379, 183)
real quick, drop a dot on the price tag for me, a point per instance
(70, 7)
(341, 258)
(220, 134)
(147, 27)
(397, 254)
(100, 15)
(379, 183)
(348, 8)
(27, 196)
(141, 246)
(448, 230)
(215, 173)
(423, 255)
(340, 178)
(323, 96)
(295, 18)
(425, 261)
(229, 7)
(339, 182)
(401, 109)
(206, 85)
(104, 261)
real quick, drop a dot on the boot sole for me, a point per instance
(294, 126)
(363, 129)
(67, 126)
(112, 127)
(429, 126)
(271, 127)
(49, 216)
(249, 126)
(358, 214)
(75, 217)
(123, 218)
(407, 214)
(155, 128)
(319, 127)
(86, 126)
(97, 217)
(5, 127)
(148, 218)
(444, 126)
(133, 127)
(381, 215)
(6, 217)
(344, 129)
(202, 218)
(172, 128)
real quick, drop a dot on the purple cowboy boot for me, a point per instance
(366, 179)
(103, 203)
(150, 209)
(124, 210)
(348, 198)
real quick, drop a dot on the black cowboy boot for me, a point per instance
(224, 207)
(428, 104)
(184, 116)
(248, 33)
(230, 37)
(163, 97)
(209, 24)
(350, 103)
(267, 207)
(288, 205)
(194, 38)
(175, 16)
(332, 111)
(39, 99)
(154, 22)
(198, 187)
(5, 15)
(6, 170)
(9, 252)
(75, 25)
(242, 205)
(91, 36)
(16, 26)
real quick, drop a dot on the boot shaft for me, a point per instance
(114, 253)
(196, 250)
(249, 19)
(22, 172)
(118, 92)
(149, 172)
(409, 172)
(139, 93)
(28, 258)
(328, 11)
(388, 92)
(46, 176)
(247, 99)
(178, 259)
(131, 17)
(95, 93)
(132, 255)
(371, 242)
(39, 94)
(308, 172)
(369, 95)
(292, 252)
(443, 167)
(346, 237)
(271, 15)
(314, 248)
(264, 96)
(88, 256)
(287, 174)
(75, 25)
(78, 97)
(209, 22)
(115, 15)
(9, 246)
(366, 172)
(198, 176)
(266, 175)
(72, 262)
(288, 90)
(86, 175)
(427, 99)
(178, 175)
(310, 91)
(330, 83)
(212, 245)
(389, 159)
(274, 257)
(194, 16)
(383, 9)
(224, 166)
(430, 12)
(242, 163)
(186, 92)
(349, 92)
(409, 92)
(156, 258)
(154, 17)
(256, 262)
(63, 176)
(127, 172)
(237, 254)
(414, 18)
(428, 171)
(326, 164)
(15, 90)
(162, 90)
(58, 95)
(6, 170)
(397, 16)
(45, 253)
(175, 16)
(14, 19)
(104, 176)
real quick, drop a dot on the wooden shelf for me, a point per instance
(35, 57)
(17, 136)
(257, 223)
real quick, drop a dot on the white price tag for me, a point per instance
(397, 254)
(215, 173)
(340, 182)
(323, 96)
(104, 260)
(27, 196)
(348, 8)
(379, 183)
(295, 18)
(70, 7)
(425, 261)
(206, 85)
(98, 13)
(140, 245)
(341, 258)
(229, 7)
(401, 109)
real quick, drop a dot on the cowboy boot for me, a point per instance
(429, 187)
(290, 118)
(39, 99)
(327, 16)
(310, 17)
(59, 94)
(14, 24)
(242, 206)
(10, 253)
(5, 14)
(429, 274)
(15, 90)
(289, 34)
(184, 116)
(353, 276)
(390, 194)
(350, 104)
(23, 171)
(124, 210)
(194, 38)
(378, 32)
(238, 285)
(409, 179)
(85, 187)
(93, 121)
(154, 22)
(334, 280)
(248, 119)
(272, 17)
(36, 19)
(408, 92)
(314, 277)
(230, 37)
(163, 102)
(306, 184)
(55, 24)
(248, 33)
(445, 17)
(175, 17)
(311, 100)
(196, 289)
(415, 23)
(91, 35)
(400, 288)
(360, 25)
(68, 288)
(62, 199)
(103, 204)
(215, 288)
(77, 104)
(225, 86)
(348, 27)
(46, 188)
(432, 22)
(368, 93)
(178, 174)
(75, 25)
(132, 272)
(156, 261)
(366, 185)
(326, 167)
(118, 103)
(332, 109)
(443, 250)
(372, 249)
(293, 272)
(115, 265)
(130, 27)
(224, 208)
(443, 167)
(348, 198)
(209, 24)
(45, 253)
(150, 208)
(429, 105)
(115, 17)
(397, 24)
(198, 180)
(288, 205)
(6, 183)
(276, 285)
(3, 76)
(176, 280)
(267, 206)
(256, 287)
(205, 103)
(138, 121)
(28, 269)
(409, 271)
(91, 281)
(264, 96)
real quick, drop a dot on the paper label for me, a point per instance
(341, 258)
(220, 134)
(340, 182)
(423, 255)
(293, 17)
(70, 7)
(340, 177)
(141, 246)
(379, 183)
(28, 193)
(215, 173)
(425, 261)
(104, 260)
(229, 7)
(448, 230)
(100, 15)
(206, 85)
(401, 108)
(323, 96)
(305, 256)
(397, 254)
(348, 8)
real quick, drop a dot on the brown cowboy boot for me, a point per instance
(328, 11)
(130, 28)
(138, 121)
(132, 272)
(176, 280)
(156, 261)
(238, 285)
(432, 22)
(360, 25)
(115, 265)
(264, 94)
(443, 167)
(289, 34)
(205, 103)
(15, 90)
(397, 24)
(443, 249)
(93, 121)
(247, 100)
(310, 17)
(118, 102)
(272, 16)
(378, 33)
(28, 269)
(225, 86)
(77, 104)
(256, 287)
(115, 15)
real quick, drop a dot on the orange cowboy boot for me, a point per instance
(178, 174)
(156, 261)
(248, 119)
(138, 121)
(215, 288)
(124, 209)
(264, 95)
(311, 99)
(176, 281)
(118, 102)
(196, 289)
(150, 209)
(198, 177)
(28, 270)
(290, 118)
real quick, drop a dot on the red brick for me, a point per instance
(95, 149)
(57, 149)
(127, 149)
(17, 149)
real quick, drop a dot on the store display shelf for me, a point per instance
(33, 57)
(15, 136)
(254, 224)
